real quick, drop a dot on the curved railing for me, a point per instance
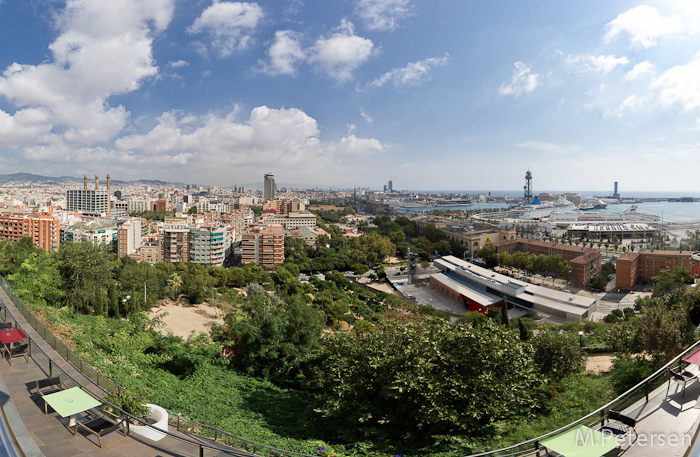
(175, 419)
(628, 398)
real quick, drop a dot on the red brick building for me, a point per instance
(642, 266)
(159, 205)
(585, 262)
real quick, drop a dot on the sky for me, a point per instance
(448, 95)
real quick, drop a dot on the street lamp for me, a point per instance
(580, 338)
(124, 301)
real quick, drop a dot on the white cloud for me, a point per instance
(229, 25)
(178, 64)
(523, 81)
(644, 25)
(284, 54)
(382, 14)
(103, 49)
(287, 137)
(543, 146)
(341, 53)
(602, 64)
(680, 85)
(366, 116)
(412, 74)
(640, 69)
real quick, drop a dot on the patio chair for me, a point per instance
(98, 426)
(48, 386)
(21, 350)
(5, 325)
(621, 427)
(684, 378)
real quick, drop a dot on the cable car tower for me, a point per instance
(528, 188)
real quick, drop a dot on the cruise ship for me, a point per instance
(541, 211)
(630, 215)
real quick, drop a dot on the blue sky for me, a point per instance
(448, 94)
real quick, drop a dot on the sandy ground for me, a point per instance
(598, 363)
(182, 317)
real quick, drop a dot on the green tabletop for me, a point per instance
(580, 441)
(71, 401)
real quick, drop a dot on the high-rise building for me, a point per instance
(264, 246)
(89, 201)
(391, 186)
(269, 189)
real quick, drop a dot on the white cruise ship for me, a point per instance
(630, 215)
(541, 211)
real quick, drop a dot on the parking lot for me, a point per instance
(424, 295)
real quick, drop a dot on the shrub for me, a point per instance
(557, 355)
(628, 371)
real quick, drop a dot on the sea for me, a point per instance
(671, 212)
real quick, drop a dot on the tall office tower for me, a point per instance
(391, 186)
(269, 192)
(88, 201)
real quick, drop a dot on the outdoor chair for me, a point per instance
(48, 386)
(684, 378)
(5, 325)
(621, 426)
(17, 351)
(98, 426)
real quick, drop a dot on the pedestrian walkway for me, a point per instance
(667, 423)
(48, 435)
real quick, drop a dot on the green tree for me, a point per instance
(489, 253)
(275, 339)
(557, 355)
(398, 377)
(671, 283)
(85, 270)
(504, 312)
(664, 330)
(37, 280)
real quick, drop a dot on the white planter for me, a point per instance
(160, 418)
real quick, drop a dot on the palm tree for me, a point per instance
(175, 281)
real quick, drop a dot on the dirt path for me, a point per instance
(183, 318)
(599, 363)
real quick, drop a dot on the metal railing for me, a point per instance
(181, 424)
(628, 398)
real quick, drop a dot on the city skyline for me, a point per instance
(434, 95)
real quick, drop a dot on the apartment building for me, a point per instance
(174, 241)
(148, 252)
(98, 231)
(284, 206)
(291, 220)
(642, 266)
(210, 244)
(129, 238)
(585, 262)
(43, 228)
(160, 205)
(138, 205)
(264, 245)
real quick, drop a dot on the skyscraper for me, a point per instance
(391, 186)
(269, 189)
